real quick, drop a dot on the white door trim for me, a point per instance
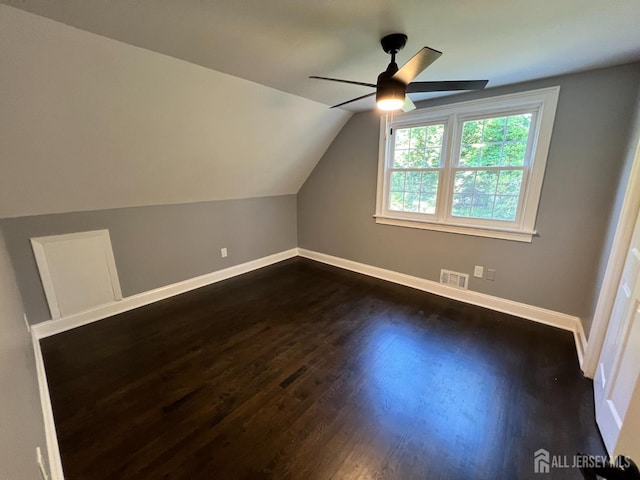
(53, 449)
(613, 273)
(39, 243)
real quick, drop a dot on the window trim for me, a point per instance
(542, 101)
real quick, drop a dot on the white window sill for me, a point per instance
(491, 232)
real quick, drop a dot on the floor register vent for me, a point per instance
(454, 279)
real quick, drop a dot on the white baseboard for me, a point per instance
(59, 325)
(529, 312)
(581, 345)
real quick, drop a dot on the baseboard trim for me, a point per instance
(581, 345)
(52, 327)
(522, 310)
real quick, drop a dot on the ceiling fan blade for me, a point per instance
(363, 84)
(408, 104)
(354, 99)
(417, 64)
(445, 86)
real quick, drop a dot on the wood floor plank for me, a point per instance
(304, 371)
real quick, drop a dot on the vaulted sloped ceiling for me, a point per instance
(92, 123)
(173, 113)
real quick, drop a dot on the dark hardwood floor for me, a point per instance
(304, 371)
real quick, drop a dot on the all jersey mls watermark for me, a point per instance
(544, 462)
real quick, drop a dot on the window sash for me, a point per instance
(492, 221)
(418, 215)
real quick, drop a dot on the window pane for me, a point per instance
(486, 194)
(418, 137)
(397, 181)
(492, 142)
(401, 158)
(432, 157)
(494, 129)
(416, 158)
(396, 201)
(472, 133)
(486, 181)
(482, 206)
(470, 155)
(506, 207)
(418, 147)
(402, 138)
(430, 182)
(461, 205)
(464, 181)
(491, 155)
(428, 203)
(411, 202)
(405, 158)
(510, 182)
(414, 191)
(514, 153)
(518, 127)
(434, 135)
(413, 182)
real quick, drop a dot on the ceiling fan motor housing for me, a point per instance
(389, 88)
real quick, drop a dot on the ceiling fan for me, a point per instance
(395, 83)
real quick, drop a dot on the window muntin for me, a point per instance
(478, 170)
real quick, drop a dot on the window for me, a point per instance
(474, 167)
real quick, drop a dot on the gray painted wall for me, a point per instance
(558, 270)
(21, 425)
(159, 245)
(632, 145)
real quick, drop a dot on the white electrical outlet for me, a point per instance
(478, 271)
(223, 252)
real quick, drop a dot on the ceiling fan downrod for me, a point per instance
(390, 92)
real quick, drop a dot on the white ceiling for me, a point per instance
(279, 43)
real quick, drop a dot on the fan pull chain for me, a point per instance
(388, 121)
(391, 122)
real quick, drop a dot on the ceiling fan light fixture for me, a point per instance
(390, 95)
(390, 104)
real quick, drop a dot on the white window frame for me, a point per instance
(542, 103)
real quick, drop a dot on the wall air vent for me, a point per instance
(454, 279)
